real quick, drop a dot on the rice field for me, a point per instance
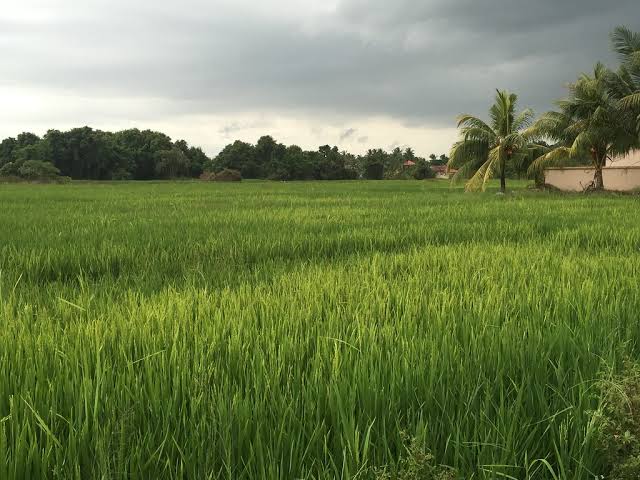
(310, 330)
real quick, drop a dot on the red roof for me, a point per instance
(439, 168)
(409, 163)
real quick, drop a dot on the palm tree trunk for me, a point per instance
(598, 182)
(503, 176)
(598, 162)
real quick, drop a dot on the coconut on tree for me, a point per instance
(589, 127)
(486, 149)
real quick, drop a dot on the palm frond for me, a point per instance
(631, 101)
(466, 120)
(523, 120)
(476, 182)
(467, 151)
(555, 158)
(625, 42)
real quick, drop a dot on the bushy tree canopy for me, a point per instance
(85, 153)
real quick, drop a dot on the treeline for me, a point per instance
(268, 159)
(88, 154)
(85, 153)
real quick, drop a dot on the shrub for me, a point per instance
(618, 437)
(10, 169)
(422, 171)
(35, 169)
(417, 464)
(31, 170)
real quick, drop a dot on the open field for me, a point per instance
(270, 330)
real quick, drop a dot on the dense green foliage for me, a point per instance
(306, 330)
(29, 170)
(268, 159)
(85, 153)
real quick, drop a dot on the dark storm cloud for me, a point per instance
(422, 62)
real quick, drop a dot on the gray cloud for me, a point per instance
(419, 61)
(348, 133)
(233, 128)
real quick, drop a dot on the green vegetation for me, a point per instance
(598, 121)
(590, 127)
(88, 154)
(268, 159)
(314, 330)
(487, 149)
(619, 433)
(84, 153)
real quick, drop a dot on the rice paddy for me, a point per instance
(307, 330)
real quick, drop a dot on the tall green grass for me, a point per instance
(285, 331)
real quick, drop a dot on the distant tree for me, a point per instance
(35, 151)
(7, 148)
(239, 156)
(374, 162)
(422, 170)
(173, 163)
(488, 148)
(394, 163)
(141, 149)
(295, 164)
(409, 154)
(198, 160)
(27, 138)
(265, 155)
(331, 164)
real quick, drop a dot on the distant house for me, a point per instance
(409, 163)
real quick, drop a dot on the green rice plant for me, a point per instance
(306, 330)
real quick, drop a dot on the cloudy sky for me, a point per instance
(356, 73)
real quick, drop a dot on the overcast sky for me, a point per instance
(355, 73)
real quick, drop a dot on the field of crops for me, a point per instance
(310, 330)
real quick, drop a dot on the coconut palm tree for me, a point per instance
(590, 127)
(485, 149)
(625, 83)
